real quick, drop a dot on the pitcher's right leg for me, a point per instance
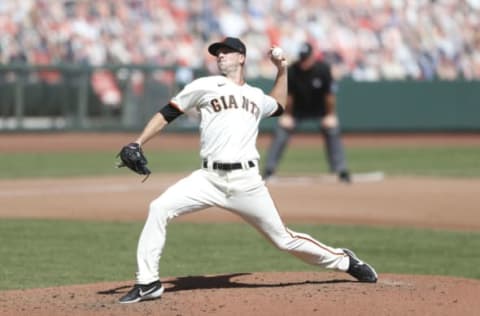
(258, 209)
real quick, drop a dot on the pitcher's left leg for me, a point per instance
(177, 200)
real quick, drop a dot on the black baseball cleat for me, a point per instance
(360, 270)
(141, 292)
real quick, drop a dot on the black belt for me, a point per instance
(228, 166)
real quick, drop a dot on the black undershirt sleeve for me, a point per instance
(278, 112)
(170, 112)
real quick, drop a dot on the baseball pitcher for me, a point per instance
(228, 177)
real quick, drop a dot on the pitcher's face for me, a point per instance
(229, 60)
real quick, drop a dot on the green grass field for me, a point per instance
(40, 253)
(429, 161)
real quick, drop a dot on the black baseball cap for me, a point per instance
(230, 42)
(305, 51)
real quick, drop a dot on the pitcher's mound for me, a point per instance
(274, 293)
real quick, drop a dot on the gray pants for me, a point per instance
(333, 147)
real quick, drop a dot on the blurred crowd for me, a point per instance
(363, 39)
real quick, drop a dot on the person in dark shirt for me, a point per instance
(311, 95)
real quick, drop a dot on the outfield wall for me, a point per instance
(410, 106)
(124, 97)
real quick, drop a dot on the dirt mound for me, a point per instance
(305, 293)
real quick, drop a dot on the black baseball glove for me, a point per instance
(132, 156)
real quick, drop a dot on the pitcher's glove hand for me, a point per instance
(132, 156)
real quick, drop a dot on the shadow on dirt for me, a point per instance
(222, 281)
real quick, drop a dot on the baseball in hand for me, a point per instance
(277, 53)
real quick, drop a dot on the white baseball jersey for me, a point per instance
(230, 115)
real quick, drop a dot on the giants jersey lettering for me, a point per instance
(223, 104)
(230, 115)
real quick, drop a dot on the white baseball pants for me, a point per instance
(242, 192)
